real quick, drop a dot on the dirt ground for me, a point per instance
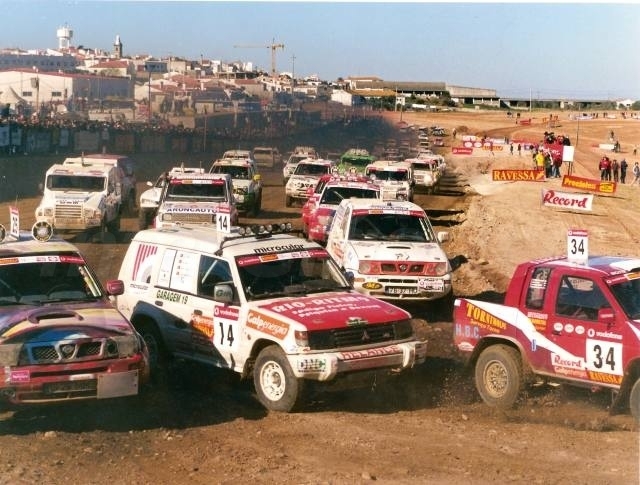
(424, 426)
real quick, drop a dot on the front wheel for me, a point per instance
(634, 401)
(498, 376)
(158, 356)
(278, 389)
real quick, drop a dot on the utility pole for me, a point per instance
(293, 72)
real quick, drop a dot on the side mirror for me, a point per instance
(443, 236)
(350, 277)
(149, 184)
(606, 316)
(223, 293)
(115, 287)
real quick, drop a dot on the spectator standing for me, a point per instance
(615, 169)
(636, 174)
(511, 149)
(623, 171)
(519, 150)
(557, 163)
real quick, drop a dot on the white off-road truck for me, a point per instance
(82, 197)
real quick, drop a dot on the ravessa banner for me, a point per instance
(505, 175)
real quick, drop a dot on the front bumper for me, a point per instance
(81, 381)
(325, 366)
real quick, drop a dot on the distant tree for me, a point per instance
(635, 106)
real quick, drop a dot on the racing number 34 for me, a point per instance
(604, 356)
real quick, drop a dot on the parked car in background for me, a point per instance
(299, 153)
(318, 211)
(267, 157)
(246, 181)
(395, 178)
(150, 198)
(304, 178)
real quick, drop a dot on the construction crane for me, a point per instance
(273, 46)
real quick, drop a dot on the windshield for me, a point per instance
(236, 172)
(280, 274)
(627, 293)
(196, 190)
(81, 183)
(312, 169)
(335, 195)
(30, 280)
(390, 175)
(391, 227)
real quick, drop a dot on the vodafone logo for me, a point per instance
(222, 312)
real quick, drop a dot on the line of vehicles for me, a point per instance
(289, 310)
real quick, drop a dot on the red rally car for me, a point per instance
(318, 210)
(561, 321)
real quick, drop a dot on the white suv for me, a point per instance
(304, 179)
(395, 179)
(266, 305)
(391, 249)
(247, 183)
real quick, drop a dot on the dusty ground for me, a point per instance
(426, 426)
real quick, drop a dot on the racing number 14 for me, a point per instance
(229, 336)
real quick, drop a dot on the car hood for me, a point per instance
(58, 322)
(394, 251)
(321, 311)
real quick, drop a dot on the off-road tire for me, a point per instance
(277, 388)
(634, 401)
(499, 376)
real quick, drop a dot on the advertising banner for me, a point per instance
(580, 183)
(462, 150)
(567, 200)
(515, 175)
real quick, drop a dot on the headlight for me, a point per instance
(437, 269)
(166, 217)
(91, 213)
(369, 267)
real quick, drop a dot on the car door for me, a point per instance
(175, 288)
(592, 351)
(214, 326)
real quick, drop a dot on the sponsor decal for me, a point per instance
(539, 320)
(572, 363)
(231, 313)
(311, 364)
(600, 186)
(467, 331)
(465, 347)
(579, 330)
(605, 378)
(171, 296)
(371, 285)
(202, 325)
(593, 333)
(484, 319)
(311, 307)
(568, 328)
(529, 175)
(19, 376)
(558, 326)
(275, 249)
(567, 200)
(268, 325)
(144, 251)
(367, 353)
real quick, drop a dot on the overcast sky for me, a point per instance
(572, 50)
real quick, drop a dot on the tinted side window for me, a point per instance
(211, 272)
